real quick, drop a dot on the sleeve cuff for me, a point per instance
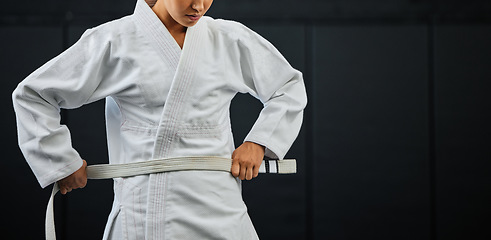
(60, 173)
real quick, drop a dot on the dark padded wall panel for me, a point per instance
(32, 7)
(275, 201)
(347, 9)
(463, 139)
(24, 50)
(370, 132)
(108, 7)
(271, 9)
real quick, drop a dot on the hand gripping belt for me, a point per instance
(105, 171)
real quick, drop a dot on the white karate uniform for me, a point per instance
(162, 102)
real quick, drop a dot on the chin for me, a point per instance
(189, 24)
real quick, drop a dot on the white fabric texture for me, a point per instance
(162, 102)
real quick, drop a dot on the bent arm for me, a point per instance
(270, 78)
(67, 81)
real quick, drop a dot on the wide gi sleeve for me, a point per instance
(269, 77)
(70, 80)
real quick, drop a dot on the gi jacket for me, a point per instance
(162, 102)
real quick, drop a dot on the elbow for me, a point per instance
(303, 97)
(301, 92)
(17, 94)
(294, 93)
(21, 96)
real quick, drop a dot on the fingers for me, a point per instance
(255, 172)
(66, 186)
(64, 189)
(245, 169)
(249, 173)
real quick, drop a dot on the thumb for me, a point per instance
(84, 164)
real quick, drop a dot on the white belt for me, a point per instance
(105, 171)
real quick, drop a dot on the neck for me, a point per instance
(169, 22)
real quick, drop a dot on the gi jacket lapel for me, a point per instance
(179, 93)
(184, 61)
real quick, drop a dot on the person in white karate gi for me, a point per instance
(168, 74)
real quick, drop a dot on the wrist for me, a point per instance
(256, 145)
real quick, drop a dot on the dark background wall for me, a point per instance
(396, 138)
